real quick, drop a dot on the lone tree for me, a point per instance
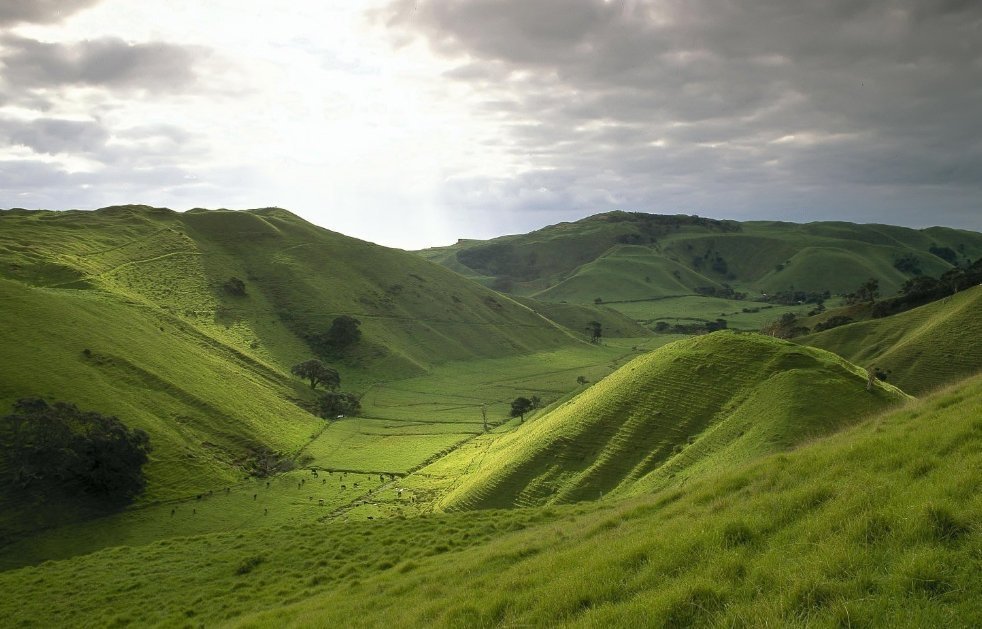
(53, 448)
(596, 331)
(581, 380)
(316, 373)
(520, 406)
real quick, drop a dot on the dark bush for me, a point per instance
(56, 448)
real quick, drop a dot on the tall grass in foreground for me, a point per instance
(876, 525)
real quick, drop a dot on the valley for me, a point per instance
(820, 493)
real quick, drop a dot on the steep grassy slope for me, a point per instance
(875, 526)
(123, 311)
(921, 349)
(628, 256)
(206, 405)
(706, 402)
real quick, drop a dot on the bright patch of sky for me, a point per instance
(414, 122)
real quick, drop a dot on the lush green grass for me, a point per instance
(921, 349)
(875, 526)
(705, 402)
(697, 309)
(577, 317)
(122, 311)
(408, 423)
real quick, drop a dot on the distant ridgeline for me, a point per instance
(630, 256)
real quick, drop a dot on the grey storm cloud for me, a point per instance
(819, 104)
(40, 11)
(108, 62)
(53, 135)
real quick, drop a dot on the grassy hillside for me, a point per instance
(920, 349)
(634, 257)
(706, 402)
(124, 311)
(576, 318)
(874, 526)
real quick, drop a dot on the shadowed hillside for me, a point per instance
(620, 256)
(920, 349)
(703, 403)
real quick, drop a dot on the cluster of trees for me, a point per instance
(785, 327)
(331, 403)
(50, 449)
(867, 292)
(832, 322)
(792, 297)
(700, 327)
(923, 289)
(723, 292)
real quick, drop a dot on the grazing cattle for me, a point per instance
(344, 486)
(310, 497)
(265, 511)
(254, 496)
(324, 482)
(267, 484)
(321, 502)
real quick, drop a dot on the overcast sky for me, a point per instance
(412, 123)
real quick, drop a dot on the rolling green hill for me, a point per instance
(708, 402)
(124, 311)
(874, 526)
(634, 257)
(921, 349)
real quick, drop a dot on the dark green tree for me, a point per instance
(596, 331)
(316, 372)
(869, 290)
(520, 406)
(342, 334)
(581, 380)
(51, 448)
(334, 404)
(234, 286)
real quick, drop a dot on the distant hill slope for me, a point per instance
(123, 311)
(701, 403)
(922, 349)
(577, 318)
(874, 526)
(630, 256)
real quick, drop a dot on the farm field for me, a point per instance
(739, 314)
